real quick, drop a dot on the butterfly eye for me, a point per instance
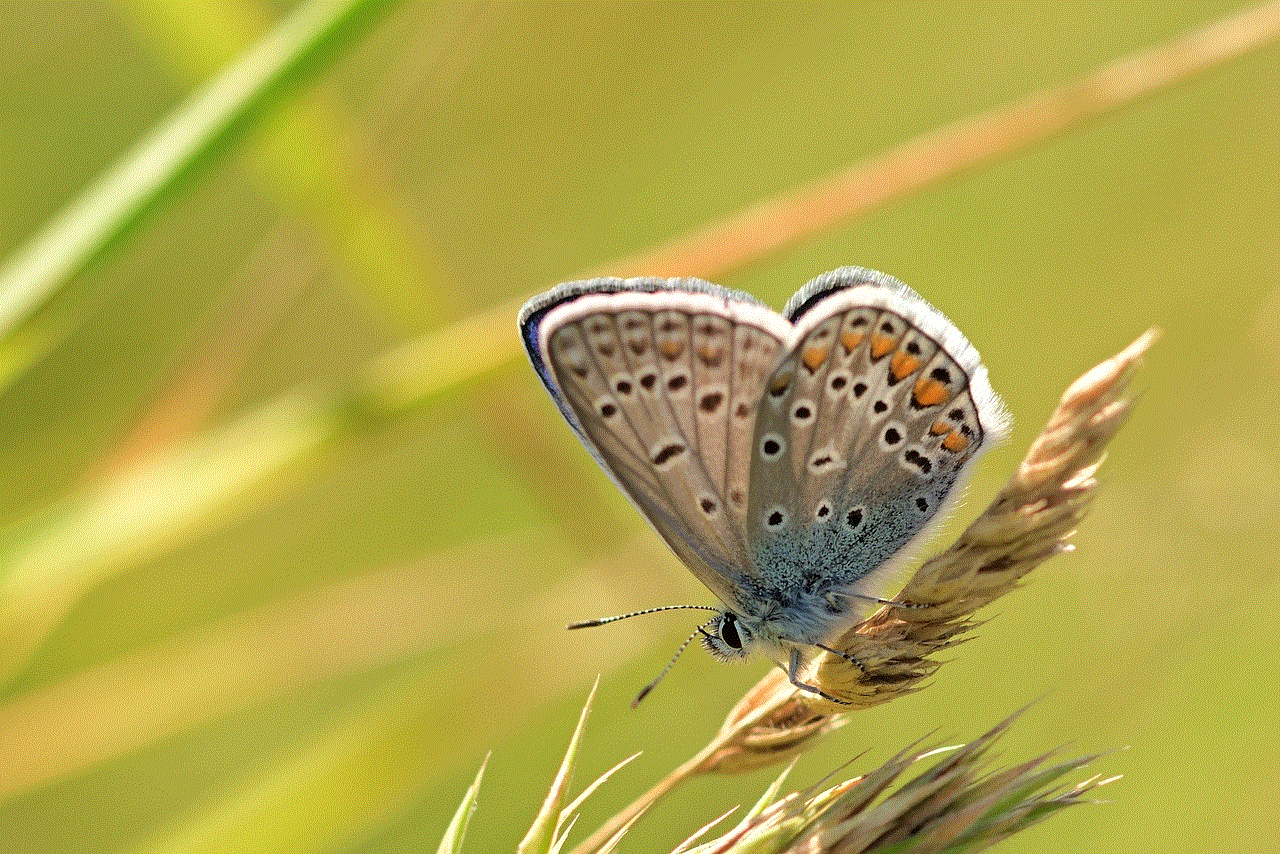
(728, 638)
(729, 632)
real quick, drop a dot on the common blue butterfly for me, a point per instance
(790, 461)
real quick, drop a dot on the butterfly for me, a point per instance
(789, 460)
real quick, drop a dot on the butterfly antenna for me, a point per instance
(600, 621)
(644, 692)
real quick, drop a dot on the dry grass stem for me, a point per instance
(776, 223)
(429, 364)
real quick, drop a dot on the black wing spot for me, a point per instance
(668, 452)
(892, 436)
(821, 461)
(942, 375)
(711, 401)
(676, 382)
(922, 505)
(647, 380)
(919, 460)
(771, 446)
(880, 407)
(854, 517)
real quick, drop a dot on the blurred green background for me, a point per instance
(239, 616)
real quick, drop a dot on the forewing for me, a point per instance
(869, 422)
(662, 381)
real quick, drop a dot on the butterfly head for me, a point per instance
(734, 635)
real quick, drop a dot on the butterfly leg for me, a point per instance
(841, 654)
(793, 671)
(834, 596)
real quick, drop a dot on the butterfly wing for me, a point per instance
(661, 379)
(868, 423)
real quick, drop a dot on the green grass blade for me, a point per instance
(457, 829)
(47, 562)
(327, 792)
(318, 164)
(550, 819)
(193, 133)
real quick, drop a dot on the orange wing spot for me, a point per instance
(672, 349)
(851, 340)
(939, 428)
(955, 442)
(903, 364)
(814, 357)
(710, 356)
(882, 345)
(930, 392)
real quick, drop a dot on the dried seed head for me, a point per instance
(945, 799)
(784, 727)
(1029, 521)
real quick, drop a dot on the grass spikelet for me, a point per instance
(547, 830)
(456, 832)
(1029, 521)
(940, 799)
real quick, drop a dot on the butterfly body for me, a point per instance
(790, 461)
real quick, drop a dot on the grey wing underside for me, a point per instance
(878, 410)
(662, 380)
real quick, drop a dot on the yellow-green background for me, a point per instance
(339, 649)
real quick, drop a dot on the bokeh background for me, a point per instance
(244, 613)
